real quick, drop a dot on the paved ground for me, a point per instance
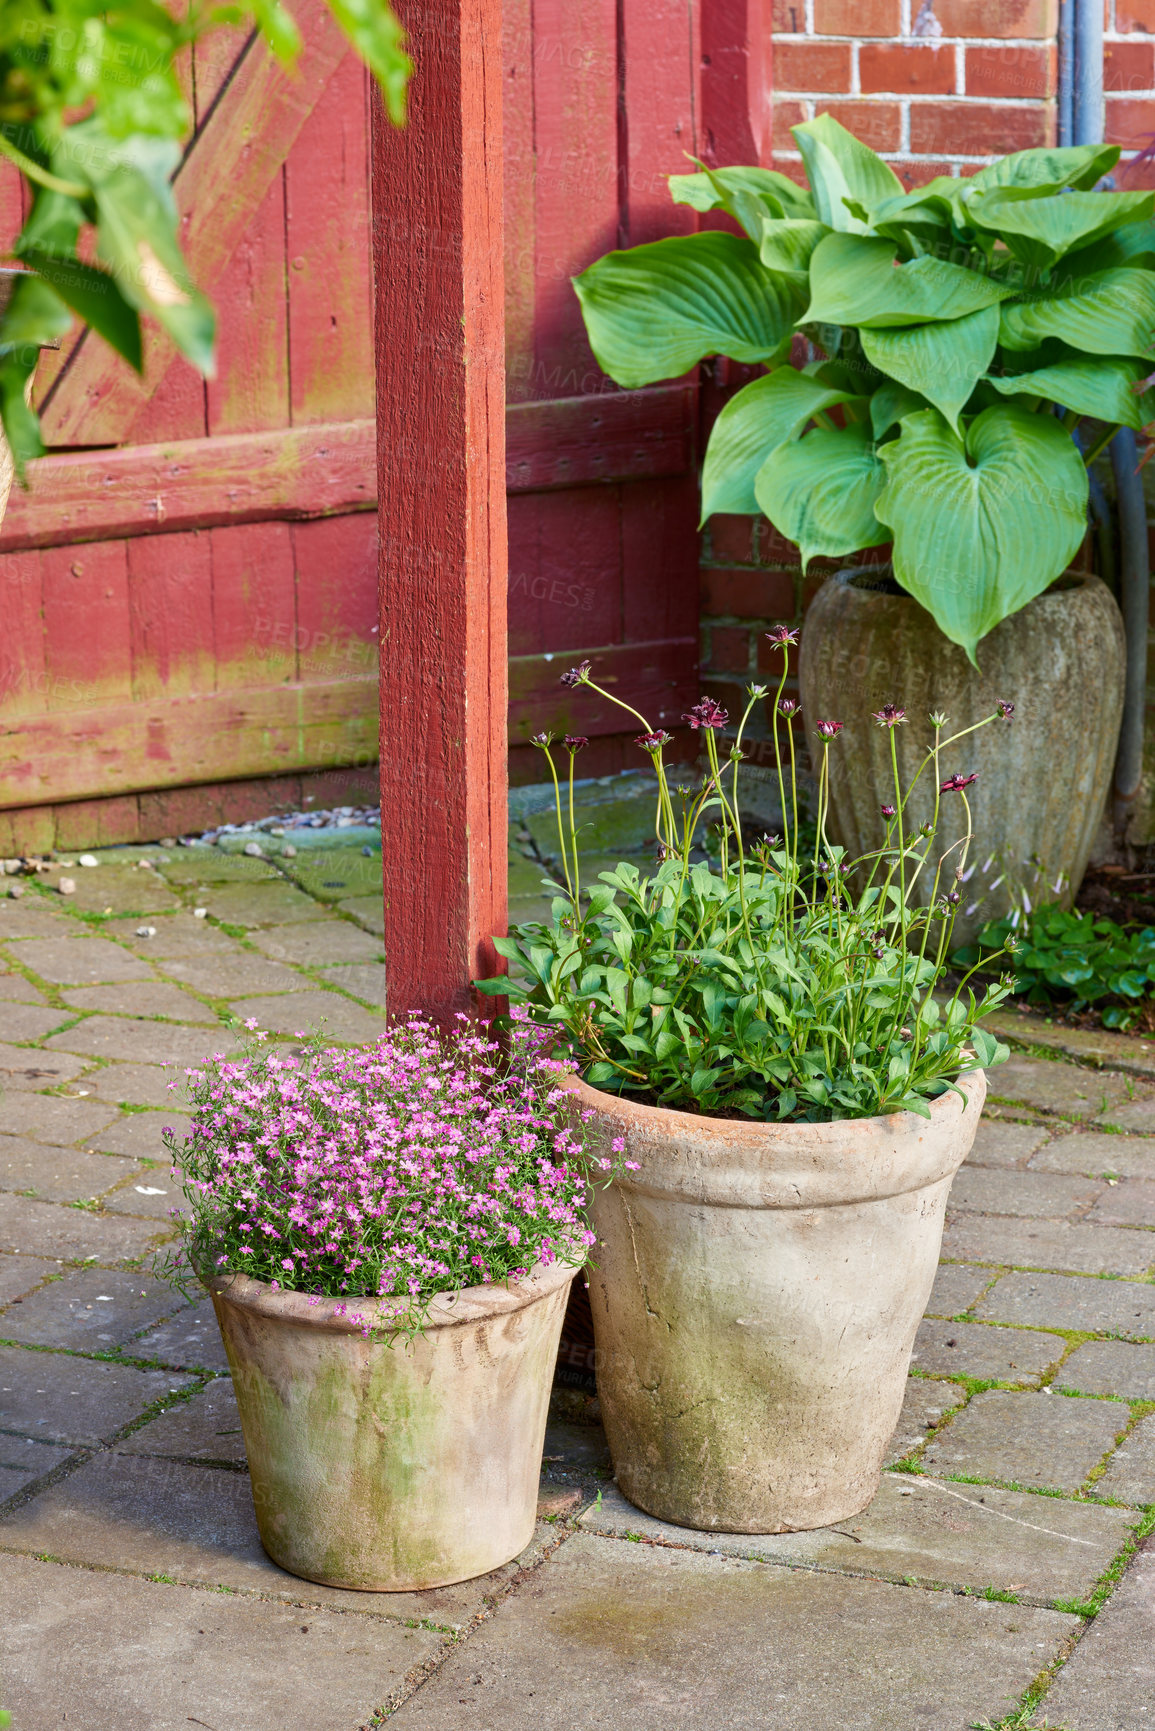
(1002, 1574)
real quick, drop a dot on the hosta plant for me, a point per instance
(1073, 959)
(959, 335)
(776, 983)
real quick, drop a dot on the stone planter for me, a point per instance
(394, 1467)
(755, 1293)
(1043, 782)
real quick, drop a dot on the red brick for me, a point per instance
(857, 17)
(771, 548)
(786, 115)
(788, 15)
(1136, 176)
(899, 67)
(1130, 122)
(1128, 66)
(729, 649)
(877, 124)
(784, 165)
(914, 174)
(978, 128)
(812, 66)
(770, 659)
(1006, 19)
(1133, 15)
(746, 594)
(732, 539)
(1018, 72)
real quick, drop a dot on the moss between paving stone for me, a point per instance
(335, 875)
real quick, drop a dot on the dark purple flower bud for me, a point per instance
(953, 898)
(956, 783)
(890, 715)
(889, 811)
(707, 713)
(782, 635)
(575, 742)
(653, 741)
(542, 740)
(577, 675)
(788, 706)
(828, 729)
(1005, 709)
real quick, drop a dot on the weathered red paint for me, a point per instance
(441, 464)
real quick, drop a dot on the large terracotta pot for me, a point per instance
(1043, 782)
(394, 1467)
(755, 1293)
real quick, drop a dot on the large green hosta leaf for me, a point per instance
(820, 491)
(839, 167)
(982, 526)
(653, 312)
(707, 190)
(943, 362)
(1111, 313)
(763, 415)
(1040, 230)
(856, 281)
(1132, 245)
(789, 244)
(1077, 165)
(1103, 387)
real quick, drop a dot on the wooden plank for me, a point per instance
(11, 205)
(659, 75)
(170, 593)
(219, 187)
(441, 462)
(216, 58)
(614, 436)
(251, 389)
(519, 197)
(326, 237)
(177, 409)
(337, 627)
(87, 630)
(659, 679)
(736, 82)
(195, 483)
(565, 569)
(254, 604)
(23, 674)
(179, 741)
(661, 551)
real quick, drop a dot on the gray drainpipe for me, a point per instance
(1081, 122)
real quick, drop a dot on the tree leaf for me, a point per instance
(1038, 231)
(780, 195)
(982, 527)
(1110, 313)
(379, 39)
(942, 361)
(35, 315)
(838, 167)
(1079, 165)
(1103, 387)
(762, 416)
(857, 281)
(820, 491)
(653, 312)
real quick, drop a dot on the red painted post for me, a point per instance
(439, 289)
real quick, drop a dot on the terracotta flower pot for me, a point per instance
(393, 1467)
(1042, 782)
(756, 1290)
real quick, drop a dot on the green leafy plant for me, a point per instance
(92, 112)
(959, 334)
(1073, 958)
(775, 984)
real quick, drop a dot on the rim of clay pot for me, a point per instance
(446, 1310)
(745, 1162)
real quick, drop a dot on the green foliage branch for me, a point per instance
(960, 335)
(1072, 958)
(92, 114)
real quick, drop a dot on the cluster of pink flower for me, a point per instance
(422, 1164)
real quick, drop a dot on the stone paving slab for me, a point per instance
(191, 1340)
(209, 866)
(1040, 1195)
(177, 935)
(121, 1037)
(237, 976)
(319, 944)
(29, 1071)
(1094, 1152)
(1027, 1439)
(89, 1310)
(57, 1174)
(143, 998)
(956, 1287)
(139, 1133)
(118, 889)
(56, 1398)
(326, 1012)
(69, 961)
(206, 1428)
(615, 1635)
(1048, 1085)
(32, 918)
(19, 1274)
(162, 1658)
(1134, 1115)
(73, 1234)
(368, 911)
(1056, 1244)
(1130, 1478)
(23, 1022)
(55, 1118)
(1006, 1145)
(22, 1461)
(153, 1515)
(138, 1085)
(365, 980)
(1111, 1367)
(982, 1350)
(337, 874)
(973, 1536)
(923, 1405)
(14, 988)
(152, 1193)
(1109, 1682)
(1074, 1302)
(1130, 1202)
(259, 904)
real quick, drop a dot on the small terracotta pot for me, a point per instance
(755, 1291)
(394, 1467)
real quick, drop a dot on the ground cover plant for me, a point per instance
(776, 983)
(1074, 959)
(957, 338)
(425, 1163)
